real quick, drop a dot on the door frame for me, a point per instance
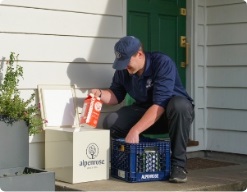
(191, 37)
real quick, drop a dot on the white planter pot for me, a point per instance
(15, 175)
(37, 150)
(12, 139)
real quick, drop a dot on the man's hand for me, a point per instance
(132, 137)
(95, 92)
(148, 119)
(106, 96)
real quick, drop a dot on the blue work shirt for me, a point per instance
(159, 82)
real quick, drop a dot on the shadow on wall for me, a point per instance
(89, 75)
(94, 70)
(77, 70)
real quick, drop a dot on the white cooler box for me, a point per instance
(75, 153)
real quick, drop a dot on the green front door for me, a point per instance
(159, 24)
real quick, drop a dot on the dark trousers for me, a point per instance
(176, 120)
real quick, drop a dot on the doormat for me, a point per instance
(200, 163)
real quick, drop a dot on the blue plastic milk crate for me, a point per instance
(149, 160)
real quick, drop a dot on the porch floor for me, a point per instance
(207, 171)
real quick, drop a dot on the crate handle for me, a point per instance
(150, 149)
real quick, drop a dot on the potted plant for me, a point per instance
(12, 107)
(19, 118)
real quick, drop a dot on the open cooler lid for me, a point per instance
(58, 106)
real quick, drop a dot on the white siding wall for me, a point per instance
(62, 42)
(226, 76)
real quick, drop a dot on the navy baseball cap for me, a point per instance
(124, 49)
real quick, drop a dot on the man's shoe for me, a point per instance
(178, 175)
